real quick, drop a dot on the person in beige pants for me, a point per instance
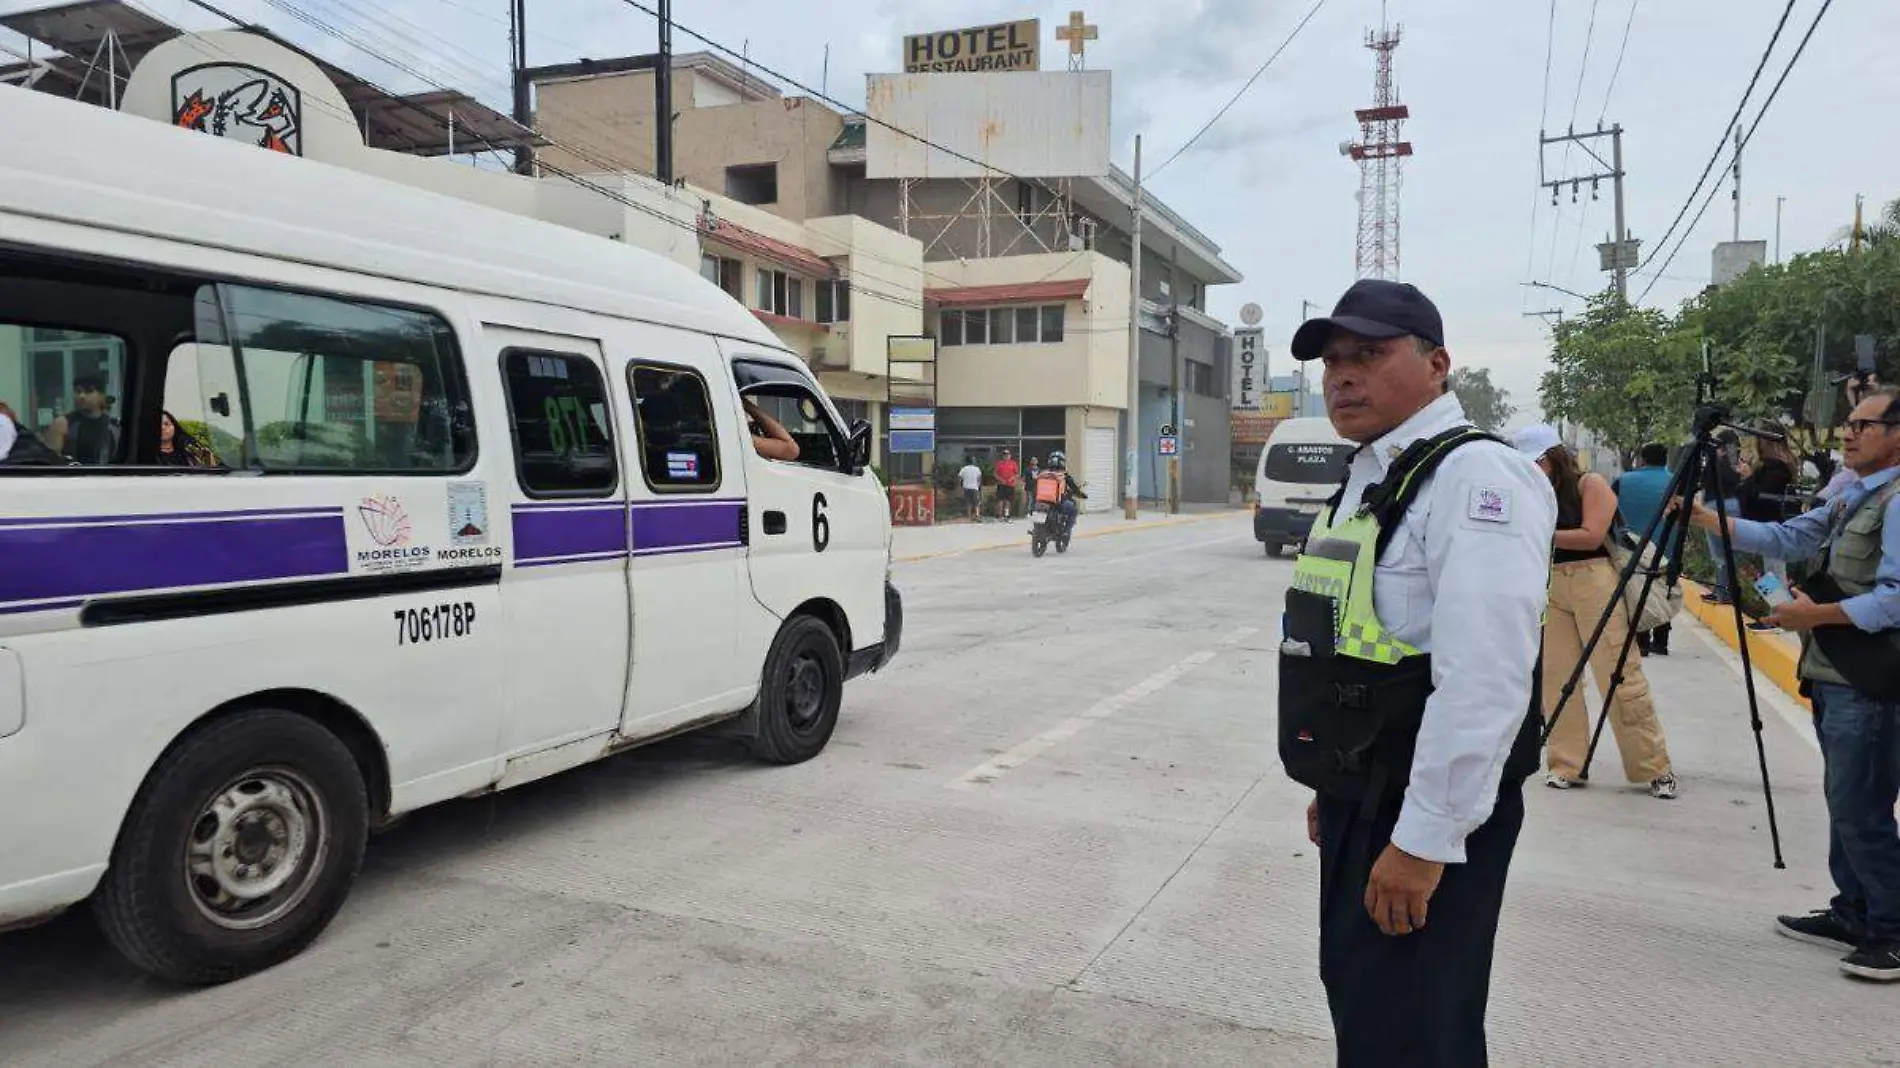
(1583, 582)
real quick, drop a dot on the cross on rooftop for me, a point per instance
(1077, 32)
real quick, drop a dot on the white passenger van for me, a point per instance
(1301, 465)
(333, 498)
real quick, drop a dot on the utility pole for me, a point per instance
(523, 116)
(1619, 255)
(1174, 379)
(1131, 489)
(1778, 203)
(1737, 194)
(663, 99)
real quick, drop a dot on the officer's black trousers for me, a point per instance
(1416, 1000)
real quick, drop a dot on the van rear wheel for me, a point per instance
(238, 851)
(801, 693)
(1274, 548)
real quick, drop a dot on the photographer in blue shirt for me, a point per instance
(1639, 497)
(1848, 615)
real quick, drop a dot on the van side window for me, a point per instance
(64, 389)
(679, 443)
(790, 399)
(564, 438)
(333, 386)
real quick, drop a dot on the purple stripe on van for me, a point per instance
(545, 533)
(108, 520)
(48, 563)
(673, 527)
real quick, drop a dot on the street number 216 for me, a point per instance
(441, 622)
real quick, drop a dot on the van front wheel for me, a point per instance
(801, 693)
(239, 850)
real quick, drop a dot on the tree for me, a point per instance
(1623, 372)
(1486, 404)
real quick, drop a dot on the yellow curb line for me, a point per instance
(1770, 654)
(1137, 527)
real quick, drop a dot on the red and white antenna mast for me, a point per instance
(1380, 153)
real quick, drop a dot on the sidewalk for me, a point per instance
(1773, 654)
(957, 537)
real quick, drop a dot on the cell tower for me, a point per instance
(1380, 154)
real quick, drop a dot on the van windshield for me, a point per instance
(1308, 462)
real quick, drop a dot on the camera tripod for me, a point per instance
(1670, 527)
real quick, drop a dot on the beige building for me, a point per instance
(1029, 304)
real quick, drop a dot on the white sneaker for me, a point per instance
(1664, 789)
(1558, 782)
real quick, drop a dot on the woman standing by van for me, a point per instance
(1583, 583)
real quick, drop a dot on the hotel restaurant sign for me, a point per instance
(1004, 46)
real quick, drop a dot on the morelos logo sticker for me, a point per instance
(241, 102)
(387, 523)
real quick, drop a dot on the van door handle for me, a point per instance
(774, 522)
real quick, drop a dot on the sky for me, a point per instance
(1268, 183)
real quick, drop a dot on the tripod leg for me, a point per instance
(1748, 682)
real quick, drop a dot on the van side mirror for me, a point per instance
(858, 452)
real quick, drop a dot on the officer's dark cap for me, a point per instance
(1373, 308)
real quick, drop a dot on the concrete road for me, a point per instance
(1054, 833)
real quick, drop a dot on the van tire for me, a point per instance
(298, 790)
(801, 693)
(1274, 549)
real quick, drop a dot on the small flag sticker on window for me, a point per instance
(682, 465)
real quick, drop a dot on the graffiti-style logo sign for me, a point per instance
(239, 102)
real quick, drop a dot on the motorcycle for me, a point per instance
(1050, 523)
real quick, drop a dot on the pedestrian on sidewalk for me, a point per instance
(1584, 584)
(972, 478)
(1848, 616)
(1423, 621)
(1639, 500)
(1007, 471)
(1764, 497)
(1722, 479)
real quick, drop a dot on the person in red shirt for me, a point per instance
(1007, 472)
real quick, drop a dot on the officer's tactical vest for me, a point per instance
(1352, 696)
(1853, 562)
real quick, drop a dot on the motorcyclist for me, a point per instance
(1070, 491)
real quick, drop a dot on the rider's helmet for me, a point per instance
(1057, 460)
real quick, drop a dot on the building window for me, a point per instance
(564, 438)
(833, 298)
(781, 294)
(723, 273)
(1000, 326)
(753, 184)
(1200, 380)
(1052, 324)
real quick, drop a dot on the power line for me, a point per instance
(1583, 68)
(1721, 141)
(1218, 115)
(1543, 122)
(1617, 70)
(1746, 138)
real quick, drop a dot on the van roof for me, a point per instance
(84, 164)
(1311, 427)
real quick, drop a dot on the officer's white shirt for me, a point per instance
(1465, 579)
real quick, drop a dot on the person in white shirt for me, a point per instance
(972, 477)
(1407, 697)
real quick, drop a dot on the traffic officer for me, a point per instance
(1407, 698)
